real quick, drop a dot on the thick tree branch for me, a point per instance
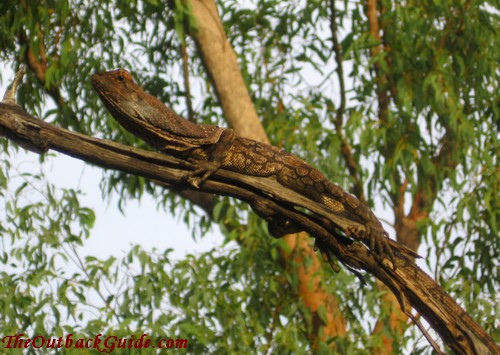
(222, 66)
(268, 198)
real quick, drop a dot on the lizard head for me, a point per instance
(145, 115)
(120, 94)
(116, 88)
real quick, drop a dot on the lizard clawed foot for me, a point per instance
(198, 176)
(378, 242)
(194, 181)
(326, 256)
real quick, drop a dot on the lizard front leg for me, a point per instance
(210, 162)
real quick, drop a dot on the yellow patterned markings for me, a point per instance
(332, 204)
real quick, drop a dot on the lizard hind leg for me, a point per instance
(376, 240)
(326, 255)
(379, 244)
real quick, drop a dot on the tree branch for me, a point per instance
(268, 198)
(185, 74)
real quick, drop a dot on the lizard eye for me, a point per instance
(121, 78)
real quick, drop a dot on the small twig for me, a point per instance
(426, 334)
(339, 120)
(10, 94)
(346, 150)
(187, 86)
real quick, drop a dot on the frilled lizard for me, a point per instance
(210, 148)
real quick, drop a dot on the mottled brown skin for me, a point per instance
(211, 148)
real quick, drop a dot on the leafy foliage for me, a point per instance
(439, 136)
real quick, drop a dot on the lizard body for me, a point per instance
(211, 148)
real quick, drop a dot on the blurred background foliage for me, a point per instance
(421, 111)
